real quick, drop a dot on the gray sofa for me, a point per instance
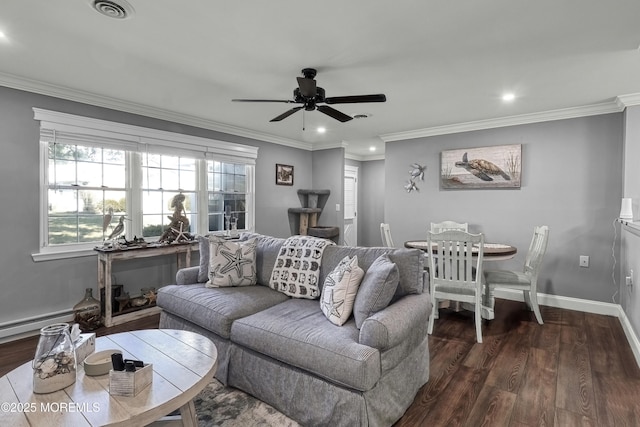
(286, 353)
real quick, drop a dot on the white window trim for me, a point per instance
(73, 129)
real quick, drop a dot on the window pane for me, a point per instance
(240, 183)
(216, 222)
(170, 162)
(63, 202)
(114, 176)
(187, 180)
(89, 154)
(152, 202)
(65, 172)
(89, 174)
(90, 228)
(116, 157)
(170, 180)
(187, 164)
(152, 225)
(240, 170)
(63, 229)
(151, 178)
(62, 151)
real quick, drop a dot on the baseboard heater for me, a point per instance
(21, 328)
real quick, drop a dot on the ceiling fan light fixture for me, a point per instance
(117, 9)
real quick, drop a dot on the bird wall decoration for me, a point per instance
(416, 172)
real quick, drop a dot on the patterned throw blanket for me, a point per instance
(297, 269)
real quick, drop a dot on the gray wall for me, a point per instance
(34, 289)
(328, 174)
(571, 182)
(630, 246)
(371, 202)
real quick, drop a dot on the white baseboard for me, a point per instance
(27, 327)
(587, 306)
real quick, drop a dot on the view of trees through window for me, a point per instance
(89, 191)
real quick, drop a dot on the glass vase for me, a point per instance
(54, 364)
(88, 312)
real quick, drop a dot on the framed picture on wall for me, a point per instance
(284, 174)
(499, 166)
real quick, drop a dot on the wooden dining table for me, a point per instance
(492, 252)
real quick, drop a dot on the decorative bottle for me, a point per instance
(54, 365)
(87, 312)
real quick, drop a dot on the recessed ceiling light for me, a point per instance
(321, 129)
(508, 97)
(372, 148)
(2, 35)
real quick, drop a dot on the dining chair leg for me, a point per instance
(478, 316)
(533, 296)
(526, 293)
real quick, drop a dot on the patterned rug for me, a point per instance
(218, 405)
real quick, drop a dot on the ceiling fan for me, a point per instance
(310, 95)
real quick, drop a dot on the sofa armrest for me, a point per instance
(389, 327)
(187, 276)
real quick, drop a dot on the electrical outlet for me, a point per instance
(337, 207)
(584, 261)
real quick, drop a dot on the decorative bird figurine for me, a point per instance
(417, 171)
(481, 168)
(118, 230)
(106, 221)
(410, 186)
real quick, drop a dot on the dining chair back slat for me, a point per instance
(385, 233)
(455, 271)
(439, 227)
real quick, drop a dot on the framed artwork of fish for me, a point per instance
(499, 166)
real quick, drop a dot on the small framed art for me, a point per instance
(284, 174)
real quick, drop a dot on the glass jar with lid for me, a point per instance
(54, 364)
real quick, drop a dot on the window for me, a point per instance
(96, 173)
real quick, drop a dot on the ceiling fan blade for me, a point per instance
(264, 100)
(332, 112)
(355, 99)
(307, 87)
(286, 114)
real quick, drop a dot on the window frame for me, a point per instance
(136, 140)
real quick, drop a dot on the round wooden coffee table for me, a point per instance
(183, 364)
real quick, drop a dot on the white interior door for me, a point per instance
(350, 206)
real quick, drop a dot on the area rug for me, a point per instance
(218, 405)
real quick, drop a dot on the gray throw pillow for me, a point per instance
(377, 289)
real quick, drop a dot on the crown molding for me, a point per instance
(544, 116)
(28, 85)
(360, 158)
(628, 100)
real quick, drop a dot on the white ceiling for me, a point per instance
(440, 63)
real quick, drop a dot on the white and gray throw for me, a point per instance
(297, 269)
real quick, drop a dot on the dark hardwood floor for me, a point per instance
(575, 370)
(15, 353)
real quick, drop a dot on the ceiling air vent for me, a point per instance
(119, 9)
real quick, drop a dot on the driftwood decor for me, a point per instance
(485, 167)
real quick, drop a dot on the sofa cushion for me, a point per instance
(297, 333)
(215, 309)
(410, 264)
(340, 289)
(232, 263)
(376, 290)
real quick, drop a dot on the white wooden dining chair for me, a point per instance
(455, 271)
(385, 232)
(439, 227)
(525, 280)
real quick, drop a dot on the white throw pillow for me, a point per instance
(232, 263)
(340, 289)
